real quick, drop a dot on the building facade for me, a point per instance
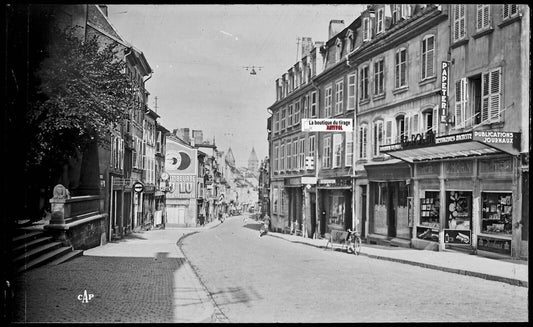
(470, 179)
(438, 95)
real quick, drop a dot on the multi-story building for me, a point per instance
(470, 179)
(149, 173)
(440, 149)
(160, 191)
(398, 96)
(296, 98)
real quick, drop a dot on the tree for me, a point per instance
(83, 92)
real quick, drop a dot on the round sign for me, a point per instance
(138, 187)
(165, 176)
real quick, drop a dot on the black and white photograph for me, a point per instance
(265, 163)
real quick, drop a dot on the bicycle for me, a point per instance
(354, 242)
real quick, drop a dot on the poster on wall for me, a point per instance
(427, 233)
(457, 236)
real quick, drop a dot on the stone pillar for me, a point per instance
(57, 203)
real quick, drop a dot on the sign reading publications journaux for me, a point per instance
(327, 125)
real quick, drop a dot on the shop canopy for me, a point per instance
(469, 144)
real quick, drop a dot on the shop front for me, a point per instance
(389, 200)
(335, 204)
(293, 188)
(465, 192)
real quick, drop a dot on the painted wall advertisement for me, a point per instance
(180, 164)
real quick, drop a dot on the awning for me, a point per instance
(469, 144)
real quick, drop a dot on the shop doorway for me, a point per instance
(313, 212)
(363, 211)
(392, 202)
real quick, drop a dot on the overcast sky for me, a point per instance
(198, 52)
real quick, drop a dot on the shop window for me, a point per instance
(458, 210)
(429, 210)
(381, 194)
(337, 210)
(496, 213)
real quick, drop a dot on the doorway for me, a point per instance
(363, 210)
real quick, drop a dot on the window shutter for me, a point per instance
(495, 95)
(462, 28)
(484, 97)
(415, 124)
(435, 120)
(388, 132)
(458, 103)
(486, 16)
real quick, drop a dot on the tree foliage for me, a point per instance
(84, 92)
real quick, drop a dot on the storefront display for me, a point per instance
(336, 216)
(429, 210)
(459, 210)
(496, 213)
(429, 217)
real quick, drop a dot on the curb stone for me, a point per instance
(512, 281)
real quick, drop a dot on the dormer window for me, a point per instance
(349, 41)
(366, 29)
(396, 13)
(380, 27)
(338, 50)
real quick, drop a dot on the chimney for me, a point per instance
(104, 9)
(335, 26)
(307, 46)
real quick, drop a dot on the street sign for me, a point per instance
(138, 187)
(309, 162)
(165, 176)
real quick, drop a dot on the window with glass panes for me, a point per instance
(351, 92)
(363, 134)
(295, 154)
(327, 102)
(311, 146)
(276, 156)
(377, 137)
(313, 104)
(349, 149)
(296, 115)
(288, 157)
(282, 157)
(326, 163)
(301, 160)
(364, 78)
(289, 119)
(337, 149)
(378, 77)
(428, 54)
(380, 20)
(339, 96)
(400, 68)
(283, 113)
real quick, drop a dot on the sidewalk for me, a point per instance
(191, 301)
(507, 271)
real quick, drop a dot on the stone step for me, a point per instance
(35, 252)
(68, 256)
(44, 258)
(25, 237)
(31, 244)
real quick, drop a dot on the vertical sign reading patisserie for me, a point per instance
(443, 109)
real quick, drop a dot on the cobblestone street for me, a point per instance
(143, 278)
(267, 279)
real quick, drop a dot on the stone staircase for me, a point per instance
(33, 248)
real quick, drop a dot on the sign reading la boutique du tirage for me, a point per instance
(181, 165)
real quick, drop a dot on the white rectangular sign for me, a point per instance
(327, 125)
